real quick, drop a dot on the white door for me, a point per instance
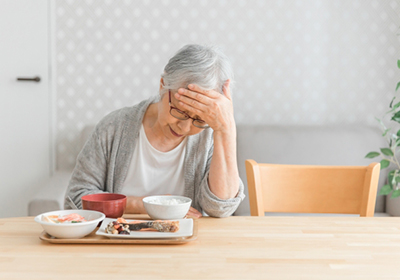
(24, 105)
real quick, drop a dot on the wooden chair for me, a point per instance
(312, 189)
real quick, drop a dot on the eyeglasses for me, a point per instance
(176, 113)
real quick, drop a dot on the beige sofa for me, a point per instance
(316, 145)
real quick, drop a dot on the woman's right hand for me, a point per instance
(193, 213)
(134, 205)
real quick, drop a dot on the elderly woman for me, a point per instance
(181, 142)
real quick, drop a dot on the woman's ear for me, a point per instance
(161, 83)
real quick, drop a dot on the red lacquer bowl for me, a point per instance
(111, 204)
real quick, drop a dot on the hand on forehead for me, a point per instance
(193, 88)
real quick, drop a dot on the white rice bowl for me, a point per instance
(167, 207)
(71, 230)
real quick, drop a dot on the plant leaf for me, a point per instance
(395, 106)
(397, 179)
(395, 194)
(398, 85)
(398, 63)
(385, 132)
(384, 163)
(387, 152)
(398, 133)
(390, 178)
(372, 154)
(381, 123)
(385, 190)
(396, 117)
(391, 102)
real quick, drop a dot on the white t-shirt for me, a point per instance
(152, 172)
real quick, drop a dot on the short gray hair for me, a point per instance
(206, 66)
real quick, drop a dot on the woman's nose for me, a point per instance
(185, 125)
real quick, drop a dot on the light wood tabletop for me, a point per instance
(228, 248)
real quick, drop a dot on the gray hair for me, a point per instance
(206, 66)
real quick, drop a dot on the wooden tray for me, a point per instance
(98, 239)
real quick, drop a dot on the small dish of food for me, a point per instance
(167, 207)
(69, 223)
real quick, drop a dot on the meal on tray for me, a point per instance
(121, 226)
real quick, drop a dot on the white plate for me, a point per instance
(185, 229)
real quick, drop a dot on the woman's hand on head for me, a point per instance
(214, 108)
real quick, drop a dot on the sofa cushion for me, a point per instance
(51, 195)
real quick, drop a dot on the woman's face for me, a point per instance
(172, 127)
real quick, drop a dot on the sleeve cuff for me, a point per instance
(217, 207)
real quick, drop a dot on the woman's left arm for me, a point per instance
(216, 110)
(223, 178)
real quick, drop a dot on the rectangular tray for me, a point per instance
(92, 238)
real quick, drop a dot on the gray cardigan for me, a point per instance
(103, 163)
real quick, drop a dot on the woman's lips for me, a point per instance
(174, 133)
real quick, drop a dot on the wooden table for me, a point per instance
(229, 248)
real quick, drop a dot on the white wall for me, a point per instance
(296, 62)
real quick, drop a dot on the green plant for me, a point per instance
(389, 154)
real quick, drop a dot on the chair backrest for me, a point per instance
(312, 188)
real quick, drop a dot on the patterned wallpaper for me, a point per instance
(296, 62)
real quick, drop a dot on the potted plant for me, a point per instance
(389, 153)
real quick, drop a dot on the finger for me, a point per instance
(191, 102)
(193, 213)
(197, 112)
(226, 89)
(194, 210)
(200, 97)
(209, 93)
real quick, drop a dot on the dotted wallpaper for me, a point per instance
(296, 62)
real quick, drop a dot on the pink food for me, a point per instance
(71, 217)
